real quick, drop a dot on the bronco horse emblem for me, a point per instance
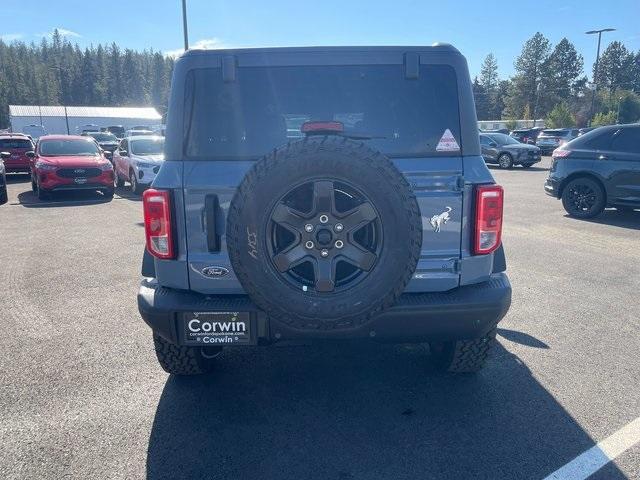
(441, 219)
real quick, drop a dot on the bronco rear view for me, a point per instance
(322, 193)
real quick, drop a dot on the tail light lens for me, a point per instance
(157, 223)
(560, 153)
(489, 200)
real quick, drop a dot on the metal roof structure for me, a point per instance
(149, 113)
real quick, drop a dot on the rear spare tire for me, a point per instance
(324, 233)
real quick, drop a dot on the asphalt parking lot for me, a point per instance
(82, 396)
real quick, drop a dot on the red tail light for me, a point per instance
(488, 235)
(559, 153)
(322, 127)
(157, 223)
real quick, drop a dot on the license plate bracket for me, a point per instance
(218, 328)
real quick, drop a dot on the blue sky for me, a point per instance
(476, 28)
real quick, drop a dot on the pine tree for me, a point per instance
(616, 68)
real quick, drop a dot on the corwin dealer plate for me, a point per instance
(217, 328)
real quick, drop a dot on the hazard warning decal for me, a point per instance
(447, 143)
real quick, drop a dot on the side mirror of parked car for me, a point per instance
(124, 153)
(493, 144)
(108, 154)
(5, 155)
(31, 154)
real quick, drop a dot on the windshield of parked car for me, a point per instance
(68, 147)
(11, 143)
(502, 139)
(104, 137)
(243, 119)
(147, 146)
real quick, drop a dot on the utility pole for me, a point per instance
(184, 25)
(595, 70)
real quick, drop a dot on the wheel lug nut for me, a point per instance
(339, 244)
(324, 219)
(324, 252)
(308, 227)
(309, 244)
(338, 227)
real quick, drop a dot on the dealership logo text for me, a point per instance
(198, 326)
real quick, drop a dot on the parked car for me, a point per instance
(138, 133)
(596, 170)
(526, 135)
(17, 145)
(506, 151)
(34, 131)
(256, 238)
(137, 160)
(582, 131)
(4, 197)
(117, 130)
(552, 138)
(505, 131)
(107, 141)
(69, 162)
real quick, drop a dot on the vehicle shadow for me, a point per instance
(127, 194)
(364, 411)
(18, 178)
(517, 167)
(73, 198)
(614, 218)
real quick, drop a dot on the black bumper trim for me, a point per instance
(463, 313)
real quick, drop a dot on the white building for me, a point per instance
(500, 124)
(61, 119)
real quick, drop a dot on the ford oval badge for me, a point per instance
(214, 271)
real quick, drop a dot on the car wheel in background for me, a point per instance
(135, 186)
(4, 197)
(583, 198)
(117, 181)
(181, 360)
(624, 209)
(505, 161)
(108, 193)
(42, 194)
(34, 185)
(462, 356)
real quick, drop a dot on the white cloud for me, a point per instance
(10, 37)
(62, 31)
(205, 43)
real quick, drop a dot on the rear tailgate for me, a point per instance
(237, 108)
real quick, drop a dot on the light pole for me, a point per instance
(184, 25)
(595, 70)
(66, 116)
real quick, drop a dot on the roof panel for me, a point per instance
(148, 113)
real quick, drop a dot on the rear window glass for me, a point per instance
(556, 133)
(147, 146)
(15, 143)
(266, 106)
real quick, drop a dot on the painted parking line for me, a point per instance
(600, 454)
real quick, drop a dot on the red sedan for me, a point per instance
(67, 162)
(16, 145)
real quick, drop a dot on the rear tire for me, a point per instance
(181, 360)
(505, 161)
(117, 181)
(463, 356)
(583, 198)
(42, 194)
(135, 186)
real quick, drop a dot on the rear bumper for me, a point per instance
(463, 313)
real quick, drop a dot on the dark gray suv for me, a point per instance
(322, 193)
